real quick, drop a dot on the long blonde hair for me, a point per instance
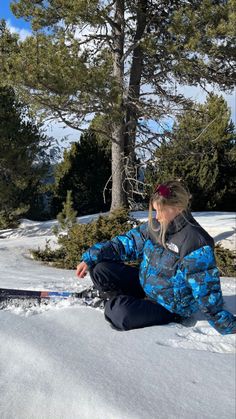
(172, 194)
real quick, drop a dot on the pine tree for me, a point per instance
(67, 217)
(22, 158)
(85, 170)
(123, 59)
(202, 153)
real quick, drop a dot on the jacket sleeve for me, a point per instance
(126, 247)
(203, 277)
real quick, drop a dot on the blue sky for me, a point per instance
(6, 13)
(56, 129)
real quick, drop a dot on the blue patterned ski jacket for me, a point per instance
(182, 277)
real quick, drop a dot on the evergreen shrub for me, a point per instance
(67, 217)
(49, 255)
(10, 218)
(82, 236)
(225, 260)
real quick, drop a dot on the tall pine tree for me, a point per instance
(202, 153)
(85, 170)
(124, 59)
(23, 162)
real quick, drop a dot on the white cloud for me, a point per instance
(23, 33)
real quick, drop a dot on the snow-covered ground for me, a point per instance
(64, 361)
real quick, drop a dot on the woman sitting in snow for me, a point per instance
(177, 275)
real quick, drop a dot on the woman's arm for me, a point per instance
(203, 277)
(125, 247)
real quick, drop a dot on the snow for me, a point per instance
(64, 360)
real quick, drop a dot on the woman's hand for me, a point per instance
(82, 269)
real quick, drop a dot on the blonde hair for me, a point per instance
(175, 195)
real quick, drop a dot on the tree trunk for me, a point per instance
(135, 77)
(118, 126)
(118, 193)
(134, 90)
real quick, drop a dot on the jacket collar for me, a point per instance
(179, 222)
(176, 225)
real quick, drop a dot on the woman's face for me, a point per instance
(165, 214)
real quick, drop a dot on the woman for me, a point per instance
(177, 275)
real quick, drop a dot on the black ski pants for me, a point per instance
(127, 307)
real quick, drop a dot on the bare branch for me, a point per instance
(105, 188)
(204, 130)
